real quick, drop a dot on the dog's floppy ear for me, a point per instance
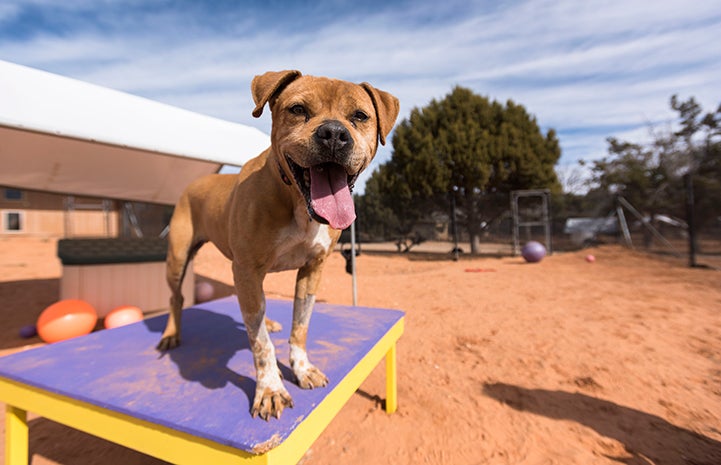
(387, 108)
(265, 86)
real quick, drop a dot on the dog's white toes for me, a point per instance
(312, 378)
(270, 403)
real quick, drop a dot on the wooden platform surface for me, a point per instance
(205, 386)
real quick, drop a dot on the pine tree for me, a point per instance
(468, 147)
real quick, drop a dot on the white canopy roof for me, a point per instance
(67, 136)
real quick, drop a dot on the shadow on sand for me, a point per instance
(649, 439)
(62, 444)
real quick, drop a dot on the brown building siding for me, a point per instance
(35, 213)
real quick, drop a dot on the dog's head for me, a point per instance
(325, 132)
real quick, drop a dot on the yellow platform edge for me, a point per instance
(16, 431)
(175, 446)
(295, 446)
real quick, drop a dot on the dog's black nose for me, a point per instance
(333, 136)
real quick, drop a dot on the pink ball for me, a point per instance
(590, 258)
(123, 315)
(204, 291)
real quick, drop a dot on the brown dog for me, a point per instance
(284, 210)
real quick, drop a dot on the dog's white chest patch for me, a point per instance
(298, 247)
(321, 238)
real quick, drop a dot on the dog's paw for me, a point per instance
(306, 373)
(273, 326)
(269, 403)
(311, 377)
(168, 343)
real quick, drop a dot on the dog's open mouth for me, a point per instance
(327, 191)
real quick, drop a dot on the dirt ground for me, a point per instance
(502, 362)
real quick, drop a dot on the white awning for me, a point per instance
(67, 136)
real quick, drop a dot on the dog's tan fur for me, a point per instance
(261, 220)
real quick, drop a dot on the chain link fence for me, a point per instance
(563, 223)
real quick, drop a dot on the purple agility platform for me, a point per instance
(205, 386)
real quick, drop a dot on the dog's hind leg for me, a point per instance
(182, 246)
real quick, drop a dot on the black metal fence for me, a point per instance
(573, 224)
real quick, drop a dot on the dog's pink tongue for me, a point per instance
(330, 195)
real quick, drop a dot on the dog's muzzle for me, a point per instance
(326, 184)
(334, 139)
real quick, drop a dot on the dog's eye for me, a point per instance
(360, 116)
(298, 110)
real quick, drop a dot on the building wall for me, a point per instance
(34, 213)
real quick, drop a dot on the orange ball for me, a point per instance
(66, 319)
(123, 315)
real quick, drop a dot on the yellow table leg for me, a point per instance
(16, 436)
(391, 381)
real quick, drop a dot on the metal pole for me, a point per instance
(454, 226)
(546, 202)
(352, 263)
(648, 225)
(516, 225)
(624, 226)
(691, 221)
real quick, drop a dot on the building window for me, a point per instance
(13, 194)
(12, 221)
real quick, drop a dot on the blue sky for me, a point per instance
(589, 69)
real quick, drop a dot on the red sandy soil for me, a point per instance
(502, 362)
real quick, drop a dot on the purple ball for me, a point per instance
(533, 252)
(26, 332)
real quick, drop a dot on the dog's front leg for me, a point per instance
(271, 397)
(308, 375)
